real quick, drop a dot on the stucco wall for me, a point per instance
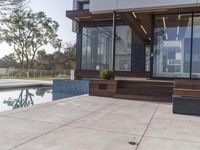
(98, 6)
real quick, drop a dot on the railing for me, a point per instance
(8, 73)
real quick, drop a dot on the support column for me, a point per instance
(113, 42)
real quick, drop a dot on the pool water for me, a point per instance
(24, 97)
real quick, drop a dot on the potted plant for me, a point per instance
(106, 86)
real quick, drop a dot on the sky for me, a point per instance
(56, 10)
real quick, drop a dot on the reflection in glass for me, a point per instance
(196, 47)
(123, 48)
(172, 43)
(96, 48)
(147, 58)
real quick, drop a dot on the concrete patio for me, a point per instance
(96, 123)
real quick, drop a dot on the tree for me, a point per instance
(70, 55)
(28, 32)
(6, 5)
(9, 61)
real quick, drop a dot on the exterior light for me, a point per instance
(134, 15)
(166, 35)
(178, 29)
(164, 23)
(143, 29)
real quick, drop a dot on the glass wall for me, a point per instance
(196, 47)
(172, 45)
(97, 48)
(123, 48)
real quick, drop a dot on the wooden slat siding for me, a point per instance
(143, 98)
(95, 91)
(187, 88)
(145, 90)
(187, 84)
(146, 83)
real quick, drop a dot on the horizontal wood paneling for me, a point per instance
(94, 89)
(134, 90)
(187, 88)
(145, 90)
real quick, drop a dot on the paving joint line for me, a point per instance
(147, 127)
(110, 131)
(173, 139)
(64, 125)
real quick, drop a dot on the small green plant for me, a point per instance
(106, 74)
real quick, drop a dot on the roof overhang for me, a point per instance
(85, 15)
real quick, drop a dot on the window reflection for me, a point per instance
(172, 44)
(196, 47)
(97, 48)
(123, 48)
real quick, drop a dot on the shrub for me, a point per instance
(106, 74)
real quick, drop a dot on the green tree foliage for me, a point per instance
(8, 5)
(9, 61)
(58, 60)
(28, 32)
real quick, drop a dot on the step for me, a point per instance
(187, 92)
(144, 98)
(149, 92)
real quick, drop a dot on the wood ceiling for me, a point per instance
(139, 24)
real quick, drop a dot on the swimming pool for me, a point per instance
(23, 97)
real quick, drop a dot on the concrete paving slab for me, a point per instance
(126, 124)
(164, 111)
(134, 108)
(55, 114)
(97, 123)
(16, 131)
(174, 129)
(97, 99)
(69, 138)
(149, 143)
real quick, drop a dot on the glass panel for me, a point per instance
(86, 6)
(123, 48)
(96, 48)
(196, 47)
(147, 58)
(172, 43)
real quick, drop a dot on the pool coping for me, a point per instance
(12, 86)
(37, 106)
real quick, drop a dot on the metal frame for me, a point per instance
(114, 43)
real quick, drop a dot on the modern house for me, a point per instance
(155, 39)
